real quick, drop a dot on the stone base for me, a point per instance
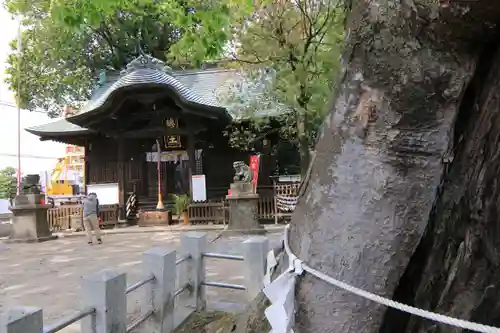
(251, 232)
(155, 218)
(29, 220)
(241, 190)
(5, 229)
(31, 240)
(243, 215)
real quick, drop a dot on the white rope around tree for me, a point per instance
(297, 267)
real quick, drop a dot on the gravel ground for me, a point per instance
(47, 275)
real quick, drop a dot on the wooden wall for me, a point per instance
(102, 166)
(102, 163)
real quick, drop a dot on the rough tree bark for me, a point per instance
(380, 163)
(456, 267)
(381, 155)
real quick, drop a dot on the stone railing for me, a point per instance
(104, 303)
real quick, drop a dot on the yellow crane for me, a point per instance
(56, 185)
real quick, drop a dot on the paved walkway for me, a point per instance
(47, 275)
(170, 228)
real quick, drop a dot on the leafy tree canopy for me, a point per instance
(66, 43)
(8, 183)
(298, 43)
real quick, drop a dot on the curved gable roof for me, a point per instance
(147, 77)
(146, 71)
(196, 86)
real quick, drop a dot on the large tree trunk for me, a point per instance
(459, 251)
(382, 154)
(303, 144)
(380, 162)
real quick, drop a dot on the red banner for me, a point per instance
(254, 166)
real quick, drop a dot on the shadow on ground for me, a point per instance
(212, 322)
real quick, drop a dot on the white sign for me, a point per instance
(107, 194)
(167, 156)
(171, 156)
(199, 187)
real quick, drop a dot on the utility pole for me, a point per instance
(160, 205)
(18, 102)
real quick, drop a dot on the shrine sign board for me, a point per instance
(172, 141)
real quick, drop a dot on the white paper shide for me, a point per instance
(281, 294)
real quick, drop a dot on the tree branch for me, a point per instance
(235, 58)
(102, 33)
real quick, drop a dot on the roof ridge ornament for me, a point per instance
(145, 61)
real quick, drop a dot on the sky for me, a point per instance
(36, 156)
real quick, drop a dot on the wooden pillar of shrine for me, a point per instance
(192, 159)
(86, 167)
(122, 180)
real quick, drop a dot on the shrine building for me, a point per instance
(148, 111)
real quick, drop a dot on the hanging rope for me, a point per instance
(298, 266)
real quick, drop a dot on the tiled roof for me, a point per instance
(202, 87)
(59, 127)
(216, 83)
(203, 84)
(206, 83)
(146, 76)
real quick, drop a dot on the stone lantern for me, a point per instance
(29, 210)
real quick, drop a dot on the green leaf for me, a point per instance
(8, 183)
(66, 43)
(304, 57)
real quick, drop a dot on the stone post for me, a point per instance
(105, 291)
(193, 270)
(243, 210)
(22, 320)
(29, 220)
(160, 263)
(255, 252)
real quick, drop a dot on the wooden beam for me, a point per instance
(87, 165)
(112, 127)
(149, 113)
(122, 179)
(158, 131)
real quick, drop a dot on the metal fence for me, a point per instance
(104, 308)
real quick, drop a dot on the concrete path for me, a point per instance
(47, 275)
(170, 228)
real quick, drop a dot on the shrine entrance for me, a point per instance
(144, 130)
(174, 173)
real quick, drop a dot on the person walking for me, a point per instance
(90, 209)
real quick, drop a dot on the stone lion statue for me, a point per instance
(242, 172)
